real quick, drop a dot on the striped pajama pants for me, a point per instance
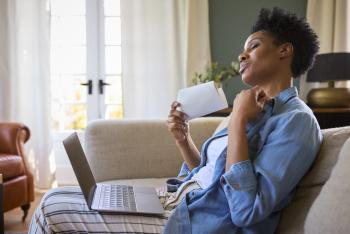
(64, 210)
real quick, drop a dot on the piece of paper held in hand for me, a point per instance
(201, 100)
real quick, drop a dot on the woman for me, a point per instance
(247, 172)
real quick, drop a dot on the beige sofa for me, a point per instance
(142, 152)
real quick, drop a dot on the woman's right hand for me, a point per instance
(177, 123)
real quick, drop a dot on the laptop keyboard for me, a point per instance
(118, 197)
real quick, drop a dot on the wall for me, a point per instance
(230, 24)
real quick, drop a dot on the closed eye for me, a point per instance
(254, 46)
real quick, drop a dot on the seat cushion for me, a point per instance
(11, 166)
(15, 193)
(330, 212)
(148, 182)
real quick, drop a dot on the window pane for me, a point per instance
(67, 7)
(68, 60)
(74, 117)
(114, 112)
(68, 30)
(113, 94)
(68, 89)
(113, 60)
(112, 31)
(112, 7)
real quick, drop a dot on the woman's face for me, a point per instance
(260, 59)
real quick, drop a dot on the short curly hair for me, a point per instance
(284, 27)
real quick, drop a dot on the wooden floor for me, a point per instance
(13, 219)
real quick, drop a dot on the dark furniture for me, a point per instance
(332, 117)
(326, 117)
(18, 185)
(2, 228)
(221, 113)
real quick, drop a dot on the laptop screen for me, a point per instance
(80, 166)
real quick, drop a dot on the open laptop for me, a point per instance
(107, 197)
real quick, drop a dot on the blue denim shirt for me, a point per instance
(283, 143)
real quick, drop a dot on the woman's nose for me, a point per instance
(242, 57)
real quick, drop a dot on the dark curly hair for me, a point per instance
(285, 27)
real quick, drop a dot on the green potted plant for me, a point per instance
(216, 73)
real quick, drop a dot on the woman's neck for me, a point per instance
(272, 89)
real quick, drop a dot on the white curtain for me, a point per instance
(25, 78)
(163, 43)
(331, 21)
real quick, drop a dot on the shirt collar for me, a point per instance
(284, 96)
(287, 94)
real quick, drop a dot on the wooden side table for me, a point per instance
(221, 113)
(332, 117)
(2, 228)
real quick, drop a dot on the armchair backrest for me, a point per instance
(12, 137)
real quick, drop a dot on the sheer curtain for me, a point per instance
(163, 43)
(331, 21)
(25, 78)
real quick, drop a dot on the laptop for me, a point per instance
(109, 197)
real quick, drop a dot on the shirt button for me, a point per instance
(190, 195)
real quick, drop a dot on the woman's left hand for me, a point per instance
(248, 104)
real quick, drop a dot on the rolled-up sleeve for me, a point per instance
(240, 175)
(254, 189)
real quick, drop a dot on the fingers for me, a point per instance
(174, 105)
(265, 99)
(175, 113)
(254, 96)
(178, 114)
(177, 126)
(178, 130)
(260, 95)
(176, 119)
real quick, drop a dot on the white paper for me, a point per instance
(201, 100)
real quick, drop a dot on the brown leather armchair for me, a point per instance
(18, 185)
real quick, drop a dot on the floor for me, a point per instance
(13, 219)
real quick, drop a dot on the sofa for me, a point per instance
(142, 152)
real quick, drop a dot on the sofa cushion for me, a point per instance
(333, 140)
(148, 182)
(294, 215)
(11, 166)
(330, 212)
(132, 149)
(223, 124)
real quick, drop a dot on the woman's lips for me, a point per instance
(242, 68)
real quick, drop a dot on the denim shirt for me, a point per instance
(283, 143)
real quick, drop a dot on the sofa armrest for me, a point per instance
(129, 149)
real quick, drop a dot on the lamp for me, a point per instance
(329, 67)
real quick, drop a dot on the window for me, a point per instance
(86, 67)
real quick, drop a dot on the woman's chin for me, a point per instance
(248, 80)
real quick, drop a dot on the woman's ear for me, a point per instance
(286, 50)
